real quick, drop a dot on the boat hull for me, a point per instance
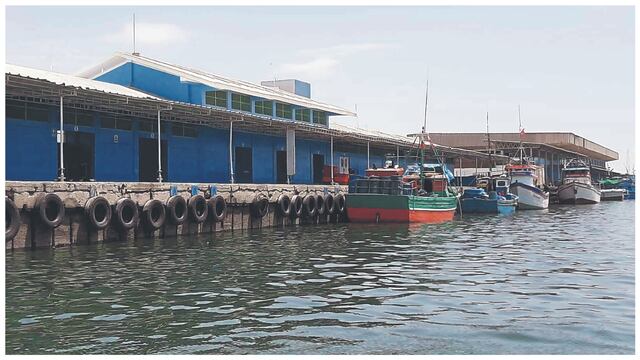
(487, 206)
(612, 194)
(529, 197)
(578, 193)
(377, 208)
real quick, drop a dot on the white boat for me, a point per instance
(577, 187)
(612, 194)
(523, 176)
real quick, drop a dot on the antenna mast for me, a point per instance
(489, 146)
(134, 35)
(426, 105)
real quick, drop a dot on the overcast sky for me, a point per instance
(570, 68)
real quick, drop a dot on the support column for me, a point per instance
(159, 151)
(398, 155)
(231, 151)
(368, 161)
(552, 173)
(61, 139)
(332, 160)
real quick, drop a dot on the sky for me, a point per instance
(569, 68)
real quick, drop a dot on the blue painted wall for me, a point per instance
(31, 153)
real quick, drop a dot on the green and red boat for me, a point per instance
(420, 196)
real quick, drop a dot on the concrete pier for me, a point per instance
(75, 228)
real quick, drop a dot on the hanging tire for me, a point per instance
(126, 214)
(309, 205)
(12, 219)
(295, 210)
(217, 208)
(98, 212)
(259, 206)
(284, 205)
(330, 204)
(153, 214)
(320, 206)
(198, 208)
(50, 209)
(177, 210)
(340, 204)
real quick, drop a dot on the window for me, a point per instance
(216, 98)
(150, 126)
(78, 118)
(111, 122)
(320, 117)
(16, 110)
(37, 113)
(302, 115)
(183, 130)
(240, 102)
(283, 111)
(264, 107)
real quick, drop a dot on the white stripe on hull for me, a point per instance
(578, 193)
(529, 200)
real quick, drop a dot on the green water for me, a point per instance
(538, 282)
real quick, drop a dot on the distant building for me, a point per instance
(550, 149)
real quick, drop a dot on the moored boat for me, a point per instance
(401, 201)
(495, 200)
(522, 183)
(612, 194)
(577, 187)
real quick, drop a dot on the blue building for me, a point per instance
(212, 129)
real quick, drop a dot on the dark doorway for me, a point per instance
(281, 167)
(148, 160)
(243, 165)
(78, 156)
(318, 164)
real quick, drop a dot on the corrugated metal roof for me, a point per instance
(215, 81)
(75, 81)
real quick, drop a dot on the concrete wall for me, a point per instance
(76, 230)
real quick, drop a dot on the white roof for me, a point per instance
(367, 132)
(75, 81)
(215, 81)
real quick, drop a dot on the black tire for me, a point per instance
(295, 211)
(153, 214)
(330, 204)
(309, 205)
(259, 206)
(177, 210)
(320, 206)
(50, 209)
(198, 208)
(340, 204)
(98, 212)
(217, 208)
(126, 214)
(12, 219)
(284, 205)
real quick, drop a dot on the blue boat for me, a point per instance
(497, 200)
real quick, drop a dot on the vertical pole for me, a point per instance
(332, 160)
(460, 162)
(398, 156)
(61, 139)
(476, 165)
(159, 151)
(231, 150)
(552, 172)
(368, 162)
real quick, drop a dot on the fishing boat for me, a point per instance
(495, 198)
(421, 195)
(612, 189)
(577, 187)
(524, 175)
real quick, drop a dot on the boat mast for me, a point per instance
(424, 131)
(489, 146)
(521, 149)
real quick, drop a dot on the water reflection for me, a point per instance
(556, 281)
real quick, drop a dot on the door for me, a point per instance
(243, 165)
(79, 157)
(281, 167)
(148, 160)
(318, 164)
